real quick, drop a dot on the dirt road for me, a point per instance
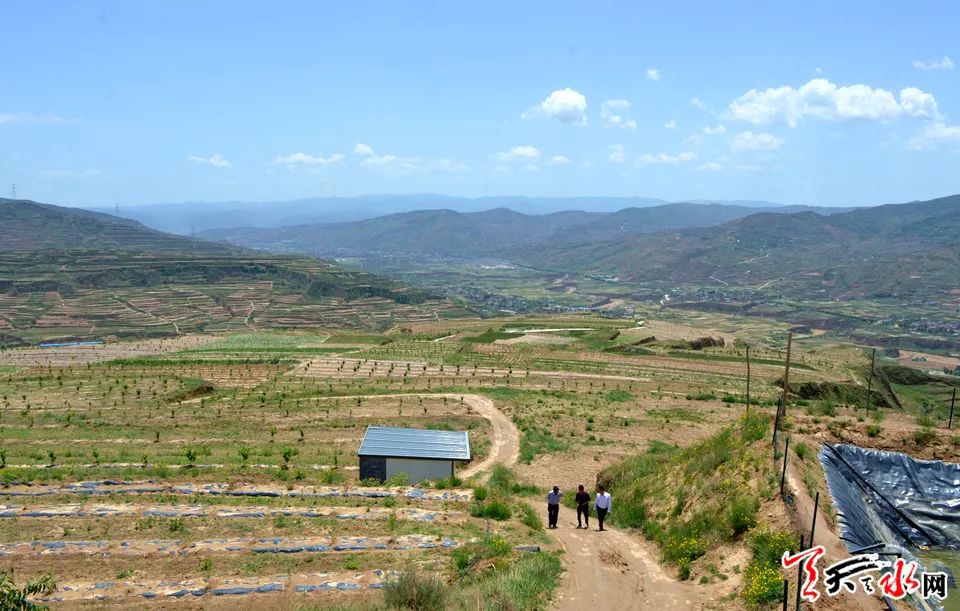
(608, 570)
(615, 570)
(505, 438)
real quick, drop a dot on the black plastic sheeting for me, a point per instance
(890, 498)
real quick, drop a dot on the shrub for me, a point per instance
(411, 590)
(683, 548)
(397, 480)
(480, 493)
(873, 430)
(754, 426)
(471, 553)
(743, 515)
(762, 584)
(529, 517)
(617, 396)
(802, 450)
(525, 584)
(763, 579)
(12, 597)
(494, 509)
(924, 436)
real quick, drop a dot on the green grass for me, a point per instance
(617, 396)
(489, 336)
(689, 500)
(539, 441)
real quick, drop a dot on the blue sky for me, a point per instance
(815, 102)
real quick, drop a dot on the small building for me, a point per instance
(421, 454)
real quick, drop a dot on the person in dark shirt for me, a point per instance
(583, 507)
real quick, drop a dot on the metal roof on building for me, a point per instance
(415, 443)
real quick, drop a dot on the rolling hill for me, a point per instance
(894, 250)
(69, 273)
(486, 234)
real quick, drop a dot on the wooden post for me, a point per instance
(786, 589)
(748, 379)
(783, 473)
(873, 362)
(813, 523)
(953, 401)
(786, 377)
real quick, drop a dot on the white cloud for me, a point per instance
(559, 160)
(612, 112)
(715, 130)
(698, 103)
(530, 167)
(934, 134)
(749, 141)
(89, 173)
(616, 153)
(524, 151)
(305, 160)
(446, 165)
(710, 166)
(586, 165)
(649, 158)
(363, 149)
(7, 118)
(565, 105)
(215, 160)
(671, 124)
(653, 74)
(822, 99)
(698, 138)
(392, 164)
(942, 64)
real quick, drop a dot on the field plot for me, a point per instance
(215, 467)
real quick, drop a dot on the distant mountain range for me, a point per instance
(892, 250)
(487, 234)
(188, 217)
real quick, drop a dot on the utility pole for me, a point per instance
(13, 190)
(873, 362)
(748, 379)
(953, 401)
(786, 379)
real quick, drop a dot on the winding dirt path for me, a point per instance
(608, 570)
(505, 437)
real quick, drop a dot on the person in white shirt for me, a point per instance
(603, 504)
(553, 506)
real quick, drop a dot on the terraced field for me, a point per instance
(223, 466)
